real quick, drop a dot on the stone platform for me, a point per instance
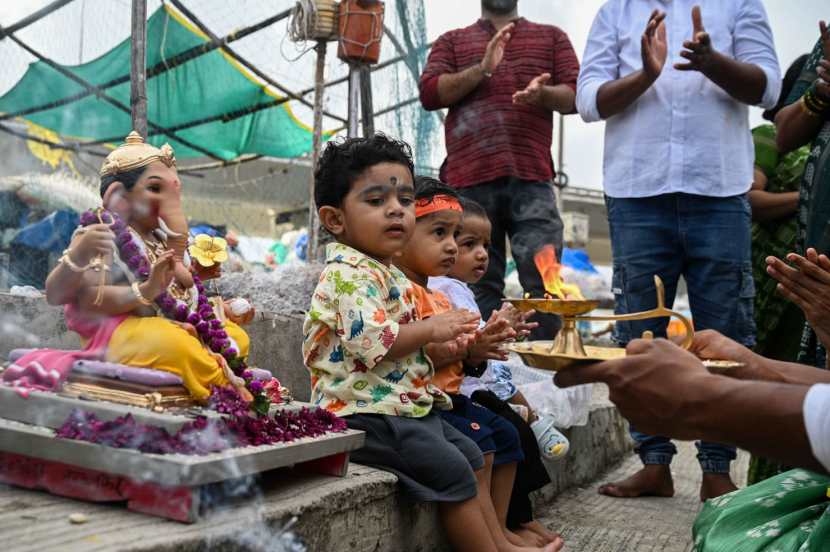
(362, 511)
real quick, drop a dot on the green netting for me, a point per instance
(212, 84)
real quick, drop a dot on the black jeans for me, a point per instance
(526, 213)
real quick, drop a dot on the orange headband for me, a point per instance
(436, 203)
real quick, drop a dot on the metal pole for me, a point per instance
(366, 108)
(354, 101)
(138, 67)
(31, 18)
(81, 41)
(560, 162)
(319, 92)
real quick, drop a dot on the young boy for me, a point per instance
(364, 348)
(432, 252)
(495, 388)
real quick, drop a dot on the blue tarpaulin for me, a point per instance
(578, 260)
(50, 234)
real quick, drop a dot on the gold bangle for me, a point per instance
(67, 260)
(138, 295)
(806, 109)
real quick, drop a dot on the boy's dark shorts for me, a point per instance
(434, 462)
(491, 432)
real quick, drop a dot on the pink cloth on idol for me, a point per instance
(46, 369)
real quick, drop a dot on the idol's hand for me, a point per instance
(161, 276)
(96, 239)
(653, 46)
(699, 50)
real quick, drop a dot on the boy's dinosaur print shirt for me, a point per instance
(356, 311)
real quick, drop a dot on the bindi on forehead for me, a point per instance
(385, 188)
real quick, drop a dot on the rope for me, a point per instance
(303, 21)
(312, 20)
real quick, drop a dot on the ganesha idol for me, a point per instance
(133, 294)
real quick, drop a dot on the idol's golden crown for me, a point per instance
(135, 153)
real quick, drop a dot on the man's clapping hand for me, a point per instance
(699, 50)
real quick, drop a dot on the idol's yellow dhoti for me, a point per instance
(240, 337)
(157, 343)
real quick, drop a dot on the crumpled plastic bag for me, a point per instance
(25, 291)
(569, 407)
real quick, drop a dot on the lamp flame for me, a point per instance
(549, 268)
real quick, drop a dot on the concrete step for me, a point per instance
(362, 511)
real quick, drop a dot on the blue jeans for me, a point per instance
(707, 241)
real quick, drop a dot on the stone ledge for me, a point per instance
(362, 511)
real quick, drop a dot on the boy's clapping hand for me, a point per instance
(518, 320)
(490, 339)
(452, 324)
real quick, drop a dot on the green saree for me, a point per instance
(779, 322)
(814, 202)
(787, 513)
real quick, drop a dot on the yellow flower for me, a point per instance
(209, 251)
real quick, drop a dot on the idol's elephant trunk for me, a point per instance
(173, 223)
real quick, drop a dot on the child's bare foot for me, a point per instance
(514, 538)
(548, 535)
(651, 480)
(555, 546)
(531, 538)
(715, 485)
(526, 537)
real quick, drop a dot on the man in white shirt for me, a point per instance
(678, 163)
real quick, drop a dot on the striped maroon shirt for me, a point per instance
(487, 136)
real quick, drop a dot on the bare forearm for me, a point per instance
(411, 337)
(616, 96)
(743, 81)
(62, 285)
(769, 206)
(795, 128)
(797, 374)
(454, 87)
(560, 98)
(764, 418)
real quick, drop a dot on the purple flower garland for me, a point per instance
(210, 329)
(202, 435)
